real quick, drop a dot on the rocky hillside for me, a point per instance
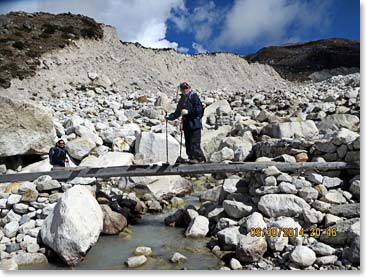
(26, 37)
(299, 61)
(127, 67)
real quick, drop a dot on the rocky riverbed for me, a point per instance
(103, 98)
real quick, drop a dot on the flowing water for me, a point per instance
(111, 252)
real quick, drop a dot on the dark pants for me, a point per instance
(192, 144)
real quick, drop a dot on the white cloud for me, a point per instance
(268, 21)
(143, 21)
(183, 50)
(199, 48)
(200, 21)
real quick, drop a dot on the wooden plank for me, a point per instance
(177, 169)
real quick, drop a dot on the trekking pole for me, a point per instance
(166, 138)
(181, 140)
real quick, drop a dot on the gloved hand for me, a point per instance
(184, 112)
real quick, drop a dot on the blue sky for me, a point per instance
(239, 26)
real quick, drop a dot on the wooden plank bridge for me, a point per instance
(176, 169)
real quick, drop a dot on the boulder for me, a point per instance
(178, 258)
(211, 139)
(295, 129)
(45, 183)
(79, 148)
(11, 229)
(212, 108)
(308, 193)
(88, 134)
(322, 249)
(235, 264)
(338, 121)
(24, 259)
(198, 228)
(235, 209)
(127, 130)
(153, 147)
(113, 222)
(25, 128)
(211, 194)
(74, 225)
(8, 264)
(250, 249)
(255, 220)
(346, 210)
(346, 230)
(302, 256)
(275, 205)
(108, 159)
(224, 154)
(165, 187)
(143, 250)
(331, 182)
(228, 238)
(136, 261)
(287, 223)
(40, 166)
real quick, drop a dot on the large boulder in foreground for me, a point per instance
(275, 205)
(153, 147)
(74, 225)
(24, 128)
(295, 129)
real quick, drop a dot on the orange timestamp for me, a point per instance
(290, 232)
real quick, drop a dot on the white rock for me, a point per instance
(331, 182)
(178, 258)
(255, 220)
(236, 209)
(235, 264)
(88, 134)
(302, 256)
(11, 229)
(8, 264)
(20, 208)
(165, 187)
(45, 182)
(322, 249)
(198, 227)
(108, 159)
(228, 238)
(24, 128)
(148, 144)
(275, 205)
(30, 258)
(296, 129)
(14, 199)
(250, 249)
(143, 250)
(136, 261)
(78, 219)
(286, 187)
(80, 148)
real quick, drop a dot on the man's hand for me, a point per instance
(184, 112)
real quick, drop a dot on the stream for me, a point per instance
(111, 252)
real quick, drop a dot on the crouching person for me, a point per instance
(190, 108)
(57, 155)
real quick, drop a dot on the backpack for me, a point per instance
(203, 106)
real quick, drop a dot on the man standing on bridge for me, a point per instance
(190, 108)
(57, 155)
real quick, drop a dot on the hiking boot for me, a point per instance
(193, 161)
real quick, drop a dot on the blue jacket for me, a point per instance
(192, 103)
(57, 156)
